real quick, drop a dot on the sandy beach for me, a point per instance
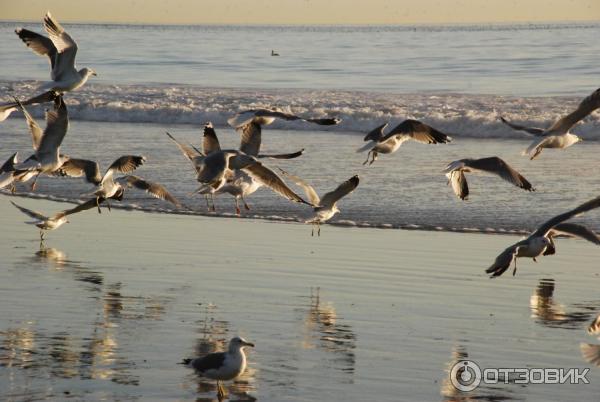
(114, 301)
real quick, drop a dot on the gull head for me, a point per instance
(238, 343)
(87, 72)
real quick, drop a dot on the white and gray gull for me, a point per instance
(540, 242)
(222, 366)
(558, 135)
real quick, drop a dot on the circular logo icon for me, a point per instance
(465, 375)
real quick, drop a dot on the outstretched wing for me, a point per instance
(125, 164)
(154, 189)
(269, 178)
(31, 213)
(190, 152)
(310, 192)
(210, 142)
(10, 163)
(341, 191)
(420, 132)
(251, 137)
(587, 106)
(376, 134)
(500, 168)
(573, 229)
(40, 44)
(503, 261)
(282, 156)
(544, 228)
(81, 167)
(57, 124)
(34, 129)
(65, 46)
(89, 204)
(531, 130)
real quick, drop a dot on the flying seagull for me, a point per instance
(47, 158)
(222, 366)
(61, 50)
(558, 135)
(7, 108)
(7, 170)
(53, 222)
(541, 240)
(325, 208)
(455, 172)
(380, 143)
(264, 117)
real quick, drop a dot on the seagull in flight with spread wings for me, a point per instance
(558, 135)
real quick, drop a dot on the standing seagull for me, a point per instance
(61, 50)
(540, 241)
(53, 222)
(380, 143)
(222, 366)
(325, 208)
(455, 172)
(558, 135)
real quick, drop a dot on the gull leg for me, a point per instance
(13, 188)
(220, 390)
(368, 155)
(245, 205)
(207, 204)
(35, 181)
(212, 198)
(98, 204)
(108, 204)
(319, 229)
(238, 212)
(534, 260)
(515, 270)
(312, 232)
(374, 158)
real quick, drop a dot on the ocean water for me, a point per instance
(459, 79)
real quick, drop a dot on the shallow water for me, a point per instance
(399, 190)
(116, 300)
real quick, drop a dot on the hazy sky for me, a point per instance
(303, 11)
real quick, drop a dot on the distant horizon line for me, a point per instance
(412, 24)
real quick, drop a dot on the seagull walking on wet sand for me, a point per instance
(325, 208)
(558, 135)
(541, 242)
(380, 143)
(222, 366)
(455, 172)
(53, 222)
(61, 49)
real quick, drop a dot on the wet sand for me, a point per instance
(115, 301)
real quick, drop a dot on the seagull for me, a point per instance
(264, 117)
(7, 171)
(380, 143)
(53, 222)
(46, 144)
(274, 53)
(558, 135)
(541, 240)
(222, 366)
(214, 171)
(455, 172)
(61, 50)
(325, 208)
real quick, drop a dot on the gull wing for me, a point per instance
(420, 132)
(31, 213)
(65, 46)
(500, 168)
(41, 45)
(190, 152)
(34, 129)
(330, 198)
(573, 229)
(154, 189)
(269, 178)
(503, 261)
(376, 134)
(531, 130)
(81, 167)
(210, 142)
(310, 192)
(459, 183)
(89, 204)
(7, 108)
(587, 106)
(10, 163)
(251, 137)
(57, 124)
(125, 164)
(282, 156)
(545, 227)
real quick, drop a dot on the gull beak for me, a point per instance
(94, 74)
(248, 344)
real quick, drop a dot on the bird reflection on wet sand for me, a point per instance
(325, 330)
(214, 337)
(591, 352)
(483, 392)
(548, 312)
